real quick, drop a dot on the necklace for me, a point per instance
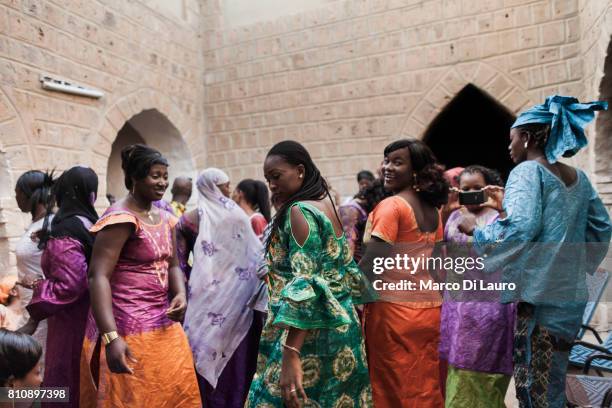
(143, 212)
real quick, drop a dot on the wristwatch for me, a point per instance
(108, 337)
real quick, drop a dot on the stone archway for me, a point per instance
(164, 111)
(152, 128)
(15, 158)
(497, 84)
(603, 133)
(472, 129)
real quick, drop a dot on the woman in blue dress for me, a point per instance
(552, 230)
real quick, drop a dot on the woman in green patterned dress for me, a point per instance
(311, 351)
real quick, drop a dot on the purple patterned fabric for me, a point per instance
(62, 298)
(476, 335)
(235, 380)
(139, 283)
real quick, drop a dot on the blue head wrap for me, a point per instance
(567, 118)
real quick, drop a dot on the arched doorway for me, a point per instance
(472, 128)
(152, 128)
(603, 138)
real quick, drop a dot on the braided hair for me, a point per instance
(538, 133)
(313, 188)
(256, 194)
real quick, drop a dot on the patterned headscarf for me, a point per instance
(567, 118)
(223, 279)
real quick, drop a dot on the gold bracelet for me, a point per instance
(291, 348)
(109, 337)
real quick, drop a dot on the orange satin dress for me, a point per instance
(402, 331)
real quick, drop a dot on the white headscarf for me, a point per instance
(223, 278)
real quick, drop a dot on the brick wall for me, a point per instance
(596, 35)
(347, 78)
(141, 57)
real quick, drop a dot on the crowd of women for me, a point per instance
(153, 305)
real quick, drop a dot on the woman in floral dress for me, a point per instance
(311, 350)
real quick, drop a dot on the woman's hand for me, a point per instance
(291, 380)
(117, 356)
(452, 204)
(29, 328)
(177, 308)
(495, 197)
(28, 283)
(467, 224)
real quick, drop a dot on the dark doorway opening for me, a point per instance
(472, 129)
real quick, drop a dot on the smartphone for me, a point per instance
(471, 197)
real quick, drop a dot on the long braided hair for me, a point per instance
(313, 188)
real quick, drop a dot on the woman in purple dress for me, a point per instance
(136, 349)
(476, 331)
(62, 297)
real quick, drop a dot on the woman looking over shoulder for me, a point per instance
(402, 329)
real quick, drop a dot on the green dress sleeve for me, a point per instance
(306, 301)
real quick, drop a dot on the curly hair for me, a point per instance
(429, 182)
(373, 195)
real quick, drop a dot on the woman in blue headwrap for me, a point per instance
(553, 229)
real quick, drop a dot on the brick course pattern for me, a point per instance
(348, 78)
(344, 79)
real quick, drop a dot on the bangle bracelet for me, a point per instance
(291, 348)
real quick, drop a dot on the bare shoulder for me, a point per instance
(299, 225)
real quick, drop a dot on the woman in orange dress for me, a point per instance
(402, 328)
(137, 354)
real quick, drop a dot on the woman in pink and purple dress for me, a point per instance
(62, 297)
(476, 330)
(137, 351)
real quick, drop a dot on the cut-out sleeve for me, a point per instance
(307, 302)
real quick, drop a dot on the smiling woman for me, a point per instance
(133, 273)
(405, 370)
